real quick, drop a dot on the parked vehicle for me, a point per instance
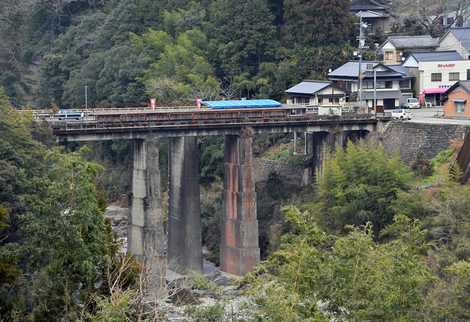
(401, 114)
(411, 103)
(69, 115)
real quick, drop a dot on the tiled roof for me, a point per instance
(308, 87)
(411, 42)
(371, 14)
(437, 56)
(463, 35)
(465, 84)
(351, 70)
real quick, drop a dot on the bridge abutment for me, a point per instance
(184, 220)
(239, 246)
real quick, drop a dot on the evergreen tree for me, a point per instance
(316, 22)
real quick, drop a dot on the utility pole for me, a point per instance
(375, 91)
(86, 98)
(361, 46)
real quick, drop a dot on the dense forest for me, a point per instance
(377, 240)
(127, 51)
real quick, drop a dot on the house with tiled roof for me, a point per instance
(315, 93)
(376, 14)
(457, 39)
(397, 48)
(457, 100)
(388, 85)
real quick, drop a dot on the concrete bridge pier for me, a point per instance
(146, 236)
(184, 220)
(318, 144)
(239, 246)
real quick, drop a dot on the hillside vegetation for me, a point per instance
(126, 51)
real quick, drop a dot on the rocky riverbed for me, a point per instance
(213, 295)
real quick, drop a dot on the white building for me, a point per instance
(435, 72)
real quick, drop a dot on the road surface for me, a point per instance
(434, 116)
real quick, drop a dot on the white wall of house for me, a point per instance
(390, 54)
(428, 76)
(318, 99)
(449, 42)
(368, 85)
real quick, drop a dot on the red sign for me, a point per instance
(446, 65)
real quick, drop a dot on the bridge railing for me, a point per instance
(117, 123)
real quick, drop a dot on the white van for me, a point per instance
(411, 103)
(401, 114)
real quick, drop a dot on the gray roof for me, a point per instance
(369, 14)
(358, 5)
(463, 35)
(413, 42)
(465, 84)
(308, 87)
(351, 70)
(437, 56)
(400, 69)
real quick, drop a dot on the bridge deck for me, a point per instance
(136, 123)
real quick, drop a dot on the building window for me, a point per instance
(454, 77)
(436, 77)
(388, 84)
(389, 55)
(468, 71)
(301, 100)
(405, 84)
(380, 84)
(367, 84)
(459, 107)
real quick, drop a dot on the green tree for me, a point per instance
(360, 185)
(179, 71)
(242, 36)
(54, 243)
(323, 277)
(317, 22)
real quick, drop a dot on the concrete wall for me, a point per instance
(410, 139)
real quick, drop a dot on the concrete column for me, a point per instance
(309, 167)
(155, 243)
(146, 236)
(135, 236)
(184, 222)
(239, 246)
(322, 146)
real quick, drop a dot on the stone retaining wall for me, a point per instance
(410, 139)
